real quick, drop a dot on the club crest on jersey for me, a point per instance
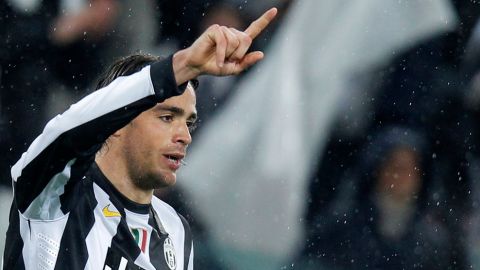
(169, 252)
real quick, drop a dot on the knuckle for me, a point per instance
(214, 27)
(246, 38)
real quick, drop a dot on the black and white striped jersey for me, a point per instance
(67, 215)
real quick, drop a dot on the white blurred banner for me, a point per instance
(249, 168)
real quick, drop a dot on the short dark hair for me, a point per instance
(128, 65)
(125, 66)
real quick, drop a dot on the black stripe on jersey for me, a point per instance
(73, 253)
(157, 239)
(71, 194)
(187, 243)
(13, 258)
(123, 242)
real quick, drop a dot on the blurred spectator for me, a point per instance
(427, 89)
(49, 53)
(382, 220)
(423, 88)
(43, 42)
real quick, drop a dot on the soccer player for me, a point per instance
(83, 191)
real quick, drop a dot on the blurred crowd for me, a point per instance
(397, 185)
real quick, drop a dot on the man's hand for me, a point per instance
(220, 51)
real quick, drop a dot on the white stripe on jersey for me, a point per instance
(103, 230)
(41, 243)
(123, 264)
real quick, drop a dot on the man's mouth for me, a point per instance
(175, 160)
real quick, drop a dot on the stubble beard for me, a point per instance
(145, 179)
(150, 181)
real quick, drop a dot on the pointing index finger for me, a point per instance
(257, 26)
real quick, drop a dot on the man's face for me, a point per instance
(156, 141)
(400, 176)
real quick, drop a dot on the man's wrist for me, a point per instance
(181, 69)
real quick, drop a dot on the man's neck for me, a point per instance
(118, 176)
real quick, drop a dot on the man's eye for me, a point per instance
(166, 118)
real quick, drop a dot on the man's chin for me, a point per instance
(166, 179)
(160, 180)
(169, 180)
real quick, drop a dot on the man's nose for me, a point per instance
(182, 135)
